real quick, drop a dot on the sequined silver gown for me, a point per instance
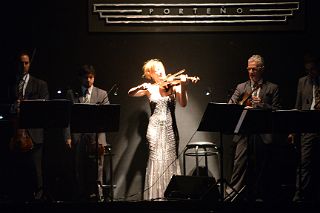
(162, 136)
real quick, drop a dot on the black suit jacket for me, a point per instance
(304, 93)
(269, 94)
(35, 89)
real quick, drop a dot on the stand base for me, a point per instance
(234, 194)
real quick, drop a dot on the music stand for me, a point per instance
(4, 115)
(96, 118)
(296, 121)
(247, 123)
(40, 113)
(222, 118)
(233, 119)
(309, 120)
(44, 114)
(286, 121)
(5, 119)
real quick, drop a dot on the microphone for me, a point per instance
(114, 87)
(75, 94)
(209, 92)
(116, 91)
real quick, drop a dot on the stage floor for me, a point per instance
(158, 206)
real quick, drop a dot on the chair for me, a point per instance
(197, 149)
(106, 189)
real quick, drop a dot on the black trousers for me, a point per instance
(308, 171)
(88, 172)
(26, 173)
(252, 167)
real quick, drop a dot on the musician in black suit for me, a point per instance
(27, 87)
(84, 144)
(308, 98)
(254, 93)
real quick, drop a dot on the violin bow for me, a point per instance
(174, 75)
(33, 54)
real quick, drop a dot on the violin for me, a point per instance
(21, 141)
(174, 80)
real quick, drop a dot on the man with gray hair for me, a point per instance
(258, 93)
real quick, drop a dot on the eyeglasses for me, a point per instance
(253, 69)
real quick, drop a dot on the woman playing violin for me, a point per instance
(162, 86)
(162, 132)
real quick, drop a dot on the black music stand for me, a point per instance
(289, 121)
(96, 118)
(309, 121)
(286, 121)
(4, 115)
(249, 124)
(249, 118)
(233, 119)
(296, 121)
(44, 113)
(222, 118)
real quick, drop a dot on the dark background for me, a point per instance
(59, 32)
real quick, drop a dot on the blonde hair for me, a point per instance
(148, 66)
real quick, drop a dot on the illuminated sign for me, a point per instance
(108, 16)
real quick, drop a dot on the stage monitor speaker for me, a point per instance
(192, 188)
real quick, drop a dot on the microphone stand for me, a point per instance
(112, 88)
